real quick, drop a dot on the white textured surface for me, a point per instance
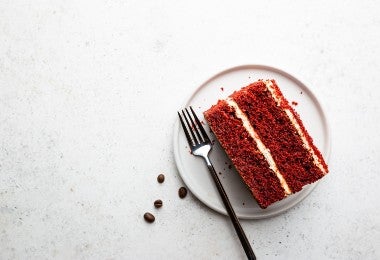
(88, 95)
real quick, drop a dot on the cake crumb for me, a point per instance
(221, 88)
(301, 93)
(294, 103)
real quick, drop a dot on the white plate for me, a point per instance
(193, 170)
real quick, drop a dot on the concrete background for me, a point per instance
(88, 96)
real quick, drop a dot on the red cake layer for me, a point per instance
(295, 163)
(243, 152)
(293, 160)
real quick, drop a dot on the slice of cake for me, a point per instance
(266, 141)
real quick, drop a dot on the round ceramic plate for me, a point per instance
(193, 169)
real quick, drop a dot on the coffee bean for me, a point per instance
(158, 203)
(161, 178)
(149, 217)
(182, 192)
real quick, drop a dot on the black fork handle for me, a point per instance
(235, 221)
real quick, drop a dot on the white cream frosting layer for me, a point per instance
(294, 122)
(260, 145)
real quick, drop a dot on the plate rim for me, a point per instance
(260, 67)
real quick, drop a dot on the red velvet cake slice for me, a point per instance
(266, 141)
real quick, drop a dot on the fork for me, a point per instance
(201, 145)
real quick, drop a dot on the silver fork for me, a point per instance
(201, 145)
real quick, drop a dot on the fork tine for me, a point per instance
(189, 140)
(195, 128)
(205, 136)
(190, 127)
